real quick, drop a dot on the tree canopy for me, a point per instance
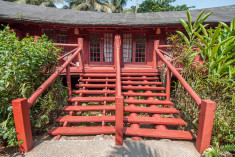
(160, 5)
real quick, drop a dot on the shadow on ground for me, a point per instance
(133, 149)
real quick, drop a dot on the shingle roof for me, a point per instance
(46, 15)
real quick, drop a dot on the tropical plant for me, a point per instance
(44, 3)
(89, 5)
(24, 66)
(218, 49)
(116, 5)
(160, 5)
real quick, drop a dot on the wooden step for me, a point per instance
(153, 102)
(154, 120)
(91, 99)
(82, 130)
(142, 88)
(85, 119)
(126, 119)
(151, 110)
(98, 75)
(140, 78)
(94, 91)
(97, 80)
(95, 85)
(144, 94)
(139, 74)
(89, 108)
(141, 83)
(158, 133)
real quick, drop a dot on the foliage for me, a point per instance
(24, 66)
(89, 5)
(211, 153)
(160, 5)
(204, 78)
(44, 3)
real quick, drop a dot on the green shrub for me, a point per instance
(24, 66)
(214, 79)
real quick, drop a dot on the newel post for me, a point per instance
(80, 45)
(168, 83)
(22, 124)
(155, 57)
(207, 112)
(119, 120)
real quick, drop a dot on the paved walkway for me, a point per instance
(106, 148)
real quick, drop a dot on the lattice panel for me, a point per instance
(140, 48)
(108, 47)
(95, 47)
(127, 47)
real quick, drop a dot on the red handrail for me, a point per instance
(49, 81)
(65, 45)
(193, 94)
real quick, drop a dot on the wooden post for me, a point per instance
(119, 120)
(80, 45)
(168, 83)
(205, 125)
(68, 78)
(22, 124)
(155, 57)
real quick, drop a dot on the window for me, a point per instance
(62, 36)
(140, 48)
(133, 47)
(95, 47)
(127, 47)
(108, 47)
(101, 48)
(49, 32)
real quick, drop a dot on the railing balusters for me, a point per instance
(68, 79)
(168, 83)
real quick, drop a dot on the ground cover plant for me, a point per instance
(212, 78)
(24, 66)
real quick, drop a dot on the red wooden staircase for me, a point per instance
(147, 112)
(133, 104)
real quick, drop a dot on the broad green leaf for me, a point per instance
(184, 37)
(225, 65)
(198, 18)
(185, 26)
(189, 20)
(204, 30)
(217, 31)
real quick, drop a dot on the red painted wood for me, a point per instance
(140, 78)
(67, 54)
(141, 83)
(144, 94)
(98, 75)
(81, 119)
(154, 102)
(94, 91)
(173, 134)
(154, 120)
(80, 59)
(22, 124)
(140, 74)
(206, 119)
(193, 94)
(68, 79)
(97, 80)
(150, 110)
(89, 108)
(91, 99)
(82, 130)
(168, 84)
(142, 88)
(49, 81)
(96, 85)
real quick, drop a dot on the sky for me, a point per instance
(199, 4)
